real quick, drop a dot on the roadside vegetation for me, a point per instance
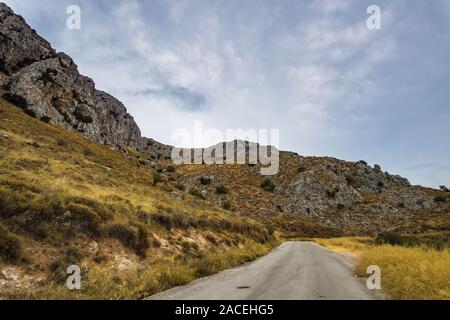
(158, 275)
(412, 266)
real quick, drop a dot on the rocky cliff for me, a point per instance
(48, 86)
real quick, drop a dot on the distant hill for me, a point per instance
(350, 198)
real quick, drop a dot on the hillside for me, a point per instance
(348, 198)
(65, 199)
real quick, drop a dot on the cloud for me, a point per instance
(310, 68)
(183, 97)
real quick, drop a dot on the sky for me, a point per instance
(311, 69)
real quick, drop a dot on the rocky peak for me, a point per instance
(48, 86)
(20, 45)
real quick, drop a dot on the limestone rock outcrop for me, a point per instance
(48, 86)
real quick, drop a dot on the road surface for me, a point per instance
(294, 270)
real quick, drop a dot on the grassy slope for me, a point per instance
(413, 272)
(66, 200)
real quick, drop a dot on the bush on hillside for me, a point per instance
(124, 234)
(226, 205)
(157, 178)
(222, 190)
(388, 237)
(170, 169)
(17, 100)
(196, 193)
(10, 246)
(440, 199)
(205, 181)
(180, 187)
(268, 185)
(82, 218)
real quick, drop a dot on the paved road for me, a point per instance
(294, 270)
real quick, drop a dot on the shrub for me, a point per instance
(226, 205)
(142, 243)
(388, 237)
(444, 188)
(439, 199)
(17, 100)
(331, 194)
(157, 178)
(164, 220)
(10, 246)
(211, 238)
(340, 206)
(182, 221)
(268, 185)
(205, 181)
(196, 193)
(222, 190)
(380, 184)
(124, 234)
(170, 169)
(30, 112)
(58, 267)
(46, 119)
(100, 208)
(83, 218)
(301, 169)
(88, 152)
(61, 143)
(74, 254)
(180, 187)
(100, 258)
(270, 229)
(349, 180)
(12, 203)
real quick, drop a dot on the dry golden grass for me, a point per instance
(346, 244)
(102, 282)
(406, 272)
(59, 189)
(410, 273)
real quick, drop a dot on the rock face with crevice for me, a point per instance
(48, 86)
